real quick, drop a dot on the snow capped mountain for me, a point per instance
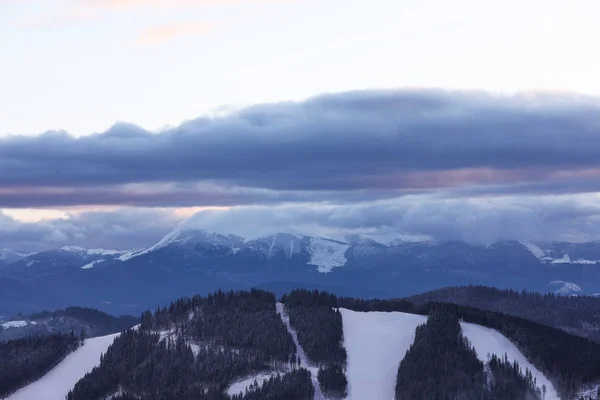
(9, 256)
(362, 246)
(565, 253)
(279, 244)
(69, 257)
(91, 252)
(187, 237)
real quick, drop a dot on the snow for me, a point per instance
(103, 252)
(31, 263)
(542, 255)
(14, 324)
(327, 254)
(241, 386)
(584, 261)
(564, 260)
(181, 235)
(73, 249)
(130, 254)
(376, 342)
(91, 265)
(56, 384)
(300, 352)
(489, 341)
(535, 250)
(567, 287)
(287, 244)
(589, 392)
(91, 252)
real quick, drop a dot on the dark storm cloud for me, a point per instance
(370, 140)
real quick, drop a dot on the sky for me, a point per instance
(469, 120)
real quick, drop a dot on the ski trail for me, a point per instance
(300, 351)
(57, 382)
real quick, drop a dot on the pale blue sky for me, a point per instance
(81, 65)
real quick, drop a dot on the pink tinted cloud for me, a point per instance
(165, 33)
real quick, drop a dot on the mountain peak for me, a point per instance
(357, 239)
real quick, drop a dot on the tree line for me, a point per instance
(25, 360)
(579, 315)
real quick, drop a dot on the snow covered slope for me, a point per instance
(327, 254)
(376, 342)
(565, 253)
(488, 341)
(566, 288)
(56, 384)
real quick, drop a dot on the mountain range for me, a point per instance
(190, 260)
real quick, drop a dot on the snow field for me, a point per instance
(55, 385)
(376, 342)
(489, 341)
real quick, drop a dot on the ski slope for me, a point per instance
(376, 342)
(300, 352)
(489, 341)
(56, 384)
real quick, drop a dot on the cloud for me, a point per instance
(120, 229)
(165, 33)
(480, 221)
(476, 220)
(344, 147)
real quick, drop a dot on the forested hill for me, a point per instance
(196, 348)
(239, 346)
(579, 315)
(88, 322)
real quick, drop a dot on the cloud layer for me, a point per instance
(370, 140)
(467, 165)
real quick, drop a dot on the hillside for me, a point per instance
(246, 345)
(85, 322)
(56, 384)
(578, 315)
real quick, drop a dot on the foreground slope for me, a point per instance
(488, 341)
(376, 343)
(55, 385)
